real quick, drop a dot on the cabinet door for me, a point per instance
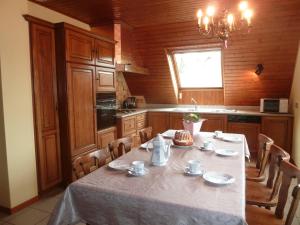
(105, 53)
(79, 48)
(128, 125)
(176, 121)
(159, 121)
(45, 102)
(279, 129)
(250, 130)
(214, 122)
(81, 107)
(106, 136)
(105, 79)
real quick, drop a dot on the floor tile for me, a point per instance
(44, 221)
(29, 217)
(46, 205)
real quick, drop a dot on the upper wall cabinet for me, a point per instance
(105, 53)
(84, 47)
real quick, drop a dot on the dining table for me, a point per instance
(165, 195)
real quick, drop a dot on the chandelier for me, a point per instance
(220, 26)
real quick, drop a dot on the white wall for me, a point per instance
(17, 151)
(295, 100)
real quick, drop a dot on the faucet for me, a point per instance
(194, 103)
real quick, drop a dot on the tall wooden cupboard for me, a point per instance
(44, 89)
(80, 55)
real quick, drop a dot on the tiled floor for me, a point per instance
(36, 214)
(39, 213)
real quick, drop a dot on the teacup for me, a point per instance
(208, 145)
(218, 133)
(138, 166)
(194, 166)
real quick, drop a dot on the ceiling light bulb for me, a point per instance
(230, 18)
(243, 5)
(210, 11)
(199, 13)
(205, 20)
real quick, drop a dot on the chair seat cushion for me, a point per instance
(261, 216)
(258, 194)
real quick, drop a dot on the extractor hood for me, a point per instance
(127, 57)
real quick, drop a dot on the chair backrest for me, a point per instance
(145, 134)
(277, 155)
(120, 147)
(86, 164)
(265, 144)
(288, 172)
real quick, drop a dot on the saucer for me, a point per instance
(206, 149)
(131, 172)
(189, 173)
(226, 152)
(218, 178)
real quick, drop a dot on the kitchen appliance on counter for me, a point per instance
(129, 103)
(106, 105)
(274, 105)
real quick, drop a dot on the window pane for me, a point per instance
(201, 69)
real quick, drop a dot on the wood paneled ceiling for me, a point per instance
(137, 13)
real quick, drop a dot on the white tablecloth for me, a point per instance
(165, 196)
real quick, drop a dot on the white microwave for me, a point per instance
(274, 105)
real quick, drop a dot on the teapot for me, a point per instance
(160, 152)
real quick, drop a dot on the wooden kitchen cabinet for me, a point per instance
(279, 128)
(176, 121)
(214, 122)
(105, 79)
(159, 121)
(250, 130)
(106, 136)
(104, 53)
(79, 48)
(131, 125)
(42, 40)
(87, 48)
(81, 108)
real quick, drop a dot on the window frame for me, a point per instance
(198, 48)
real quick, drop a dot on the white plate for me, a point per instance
(131, 172)
(226, 152)
(169, 134)
(144, 145)
(188, 172)
(183, 147)
(218, 178)
(119, 165)
(231, 139)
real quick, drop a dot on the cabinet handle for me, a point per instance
(98, 77)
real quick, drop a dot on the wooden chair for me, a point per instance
(261, 216)
(86, 164)
(145, 134)
(120, 147)
(266, 195)
(257, 173)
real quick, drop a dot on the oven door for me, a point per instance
(106, 117)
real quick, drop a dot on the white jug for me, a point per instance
(161, 151)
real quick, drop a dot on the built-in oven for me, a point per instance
(106, 104)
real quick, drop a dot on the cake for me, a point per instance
(183, 138)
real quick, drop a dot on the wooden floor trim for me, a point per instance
(20, 206)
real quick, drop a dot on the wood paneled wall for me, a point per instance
(272, 41)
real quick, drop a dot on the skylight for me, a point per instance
(199, 69)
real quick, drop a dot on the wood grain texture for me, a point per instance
(45, 105)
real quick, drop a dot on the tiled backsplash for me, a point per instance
(122, 90)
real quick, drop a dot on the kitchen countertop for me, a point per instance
(222, 110)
